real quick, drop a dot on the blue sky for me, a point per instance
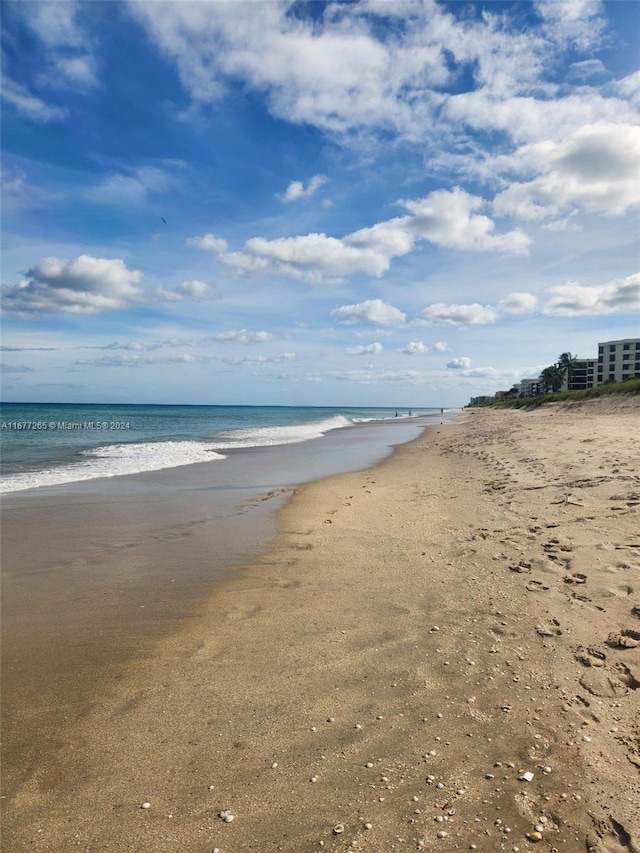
(384, 202)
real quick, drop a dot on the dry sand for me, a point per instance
(423, 635)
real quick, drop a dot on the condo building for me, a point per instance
(618, 360)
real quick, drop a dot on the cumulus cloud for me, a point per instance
(370, 311)
(365, 349)
(242, 336)
(518, 303)
(575, 300)
(415, 348)
(463, 363)
(297, 190)
(85, 285)
(440, 346)
(447, 218)
(194, 290)
(208, 243)
(460, 315)
(593, 169)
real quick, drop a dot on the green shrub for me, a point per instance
(629, 386)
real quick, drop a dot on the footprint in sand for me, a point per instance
(536, 586)
(627, 638)
(575, 577)
(588, 656)
(609, 837)
(549, 629)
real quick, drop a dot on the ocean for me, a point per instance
(45, 444)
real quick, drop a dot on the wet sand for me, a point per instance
(440, 652)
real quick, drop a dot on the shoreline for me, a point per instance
(411, 643)
(95, 572)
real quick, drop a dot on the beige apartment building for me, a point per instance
(617, 361)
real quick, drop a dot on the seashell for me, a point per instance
(338, 829)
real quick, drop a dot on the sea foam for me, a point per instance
(114, 460)
(287, 434)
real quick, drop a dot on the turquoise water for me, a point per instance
(45, 444)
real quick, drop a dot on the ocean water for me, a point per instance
(46, 444)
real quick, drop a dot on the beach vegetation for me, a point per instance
(566, 362)
(551, 378)
(628, 386)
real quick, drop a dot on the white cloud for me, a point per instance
(447, 218)
(575, 300)
(370, 311)
(365, 349)
(132, 346)
(261, 359)
(297, 190)
(460, 315)
(28, 104)
(440, 346)
(85, 285)
(580, 23)
(243, 337)
(195, 289)
(463, 363)
(415, 348)
(340, 71)
(444, 217)
(518, 303)
(208, 242)
(141, 360)
(378, 377)
(133, 188)
(77, 72)
(67, 45)
(594, 169)
(55, 23)
(589, 70)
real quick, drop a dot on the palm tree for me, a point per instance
(551, 378)
(566, 363)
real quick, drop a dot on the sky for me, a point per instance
(380, 202)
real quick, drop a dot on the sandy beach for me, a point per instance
(441, 652)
